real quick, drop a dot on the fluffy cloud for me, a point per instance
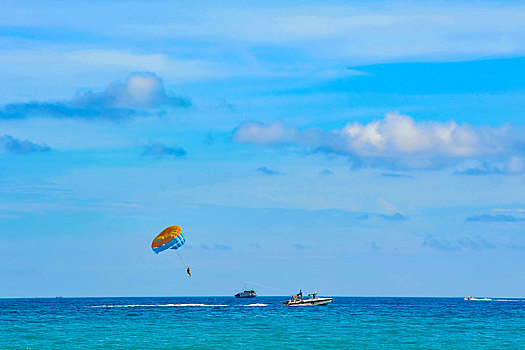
(14, 145)
(397, 141)
(138, 93)
(273, 133)
(138, 90)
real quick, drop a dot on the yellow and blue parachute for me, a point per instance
(171, 237)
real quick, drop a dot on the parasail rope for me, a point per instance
(259, 285)
(180, 257)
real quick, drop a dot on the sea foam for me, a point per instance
(158, 305)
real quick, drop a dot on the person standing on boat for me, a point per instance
(300, 294)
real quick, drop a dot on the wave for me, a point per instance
(256, 304)
(158, 305)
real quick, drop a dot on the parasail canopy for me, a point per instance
(171, 237)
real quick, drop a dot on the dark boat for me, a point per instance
(246, 294)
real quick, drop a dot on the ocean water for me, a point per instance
(260, 323)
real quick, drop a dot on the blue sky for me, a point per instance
(365, 148)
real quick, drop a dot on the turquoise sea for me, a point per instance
(260, 323)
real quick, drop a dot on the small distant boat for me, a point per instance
(247, 293)
(297, 300)
(477, 299)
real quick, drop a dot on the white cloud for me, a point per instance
(123, 99)
(226, 34)
(397, 138)
(363, 33)
(399, 134)
(138, 90)
(64, 61)
(276, 132)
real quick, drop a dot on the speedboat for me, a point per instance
(477, 299)
(297, 300)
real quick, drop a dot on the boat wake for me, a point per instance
(158, 305)
(256, 304)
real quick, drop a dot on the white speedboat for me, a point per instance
(477, 299)
(311, 301)
(297, 300)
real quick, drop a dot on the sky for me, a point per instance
(363, 148)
